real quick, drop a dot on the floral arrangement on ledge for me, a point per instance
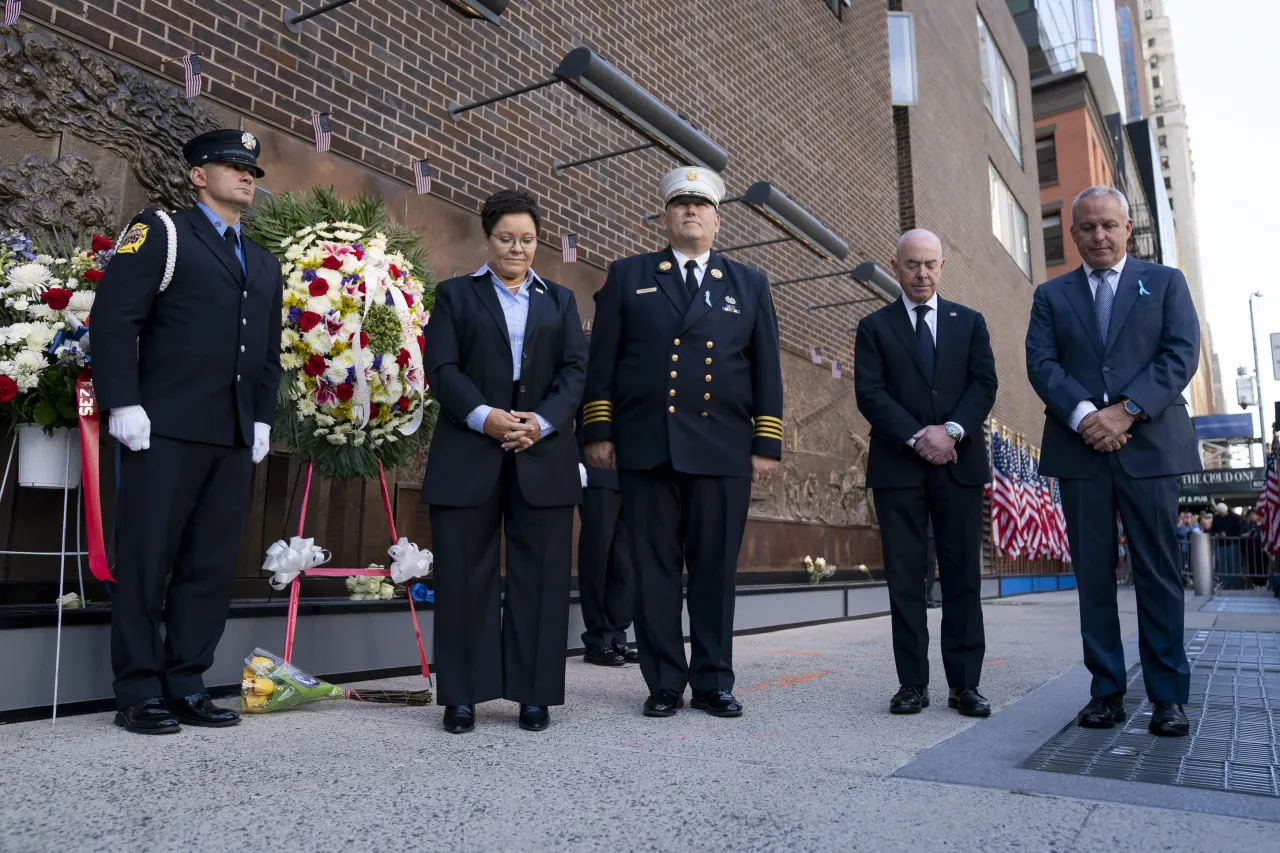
(818, 569)
(354, 392)
(45, 302)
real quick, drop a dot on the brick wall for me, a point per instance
(1082, 163)
(793, 94)
(953, 137)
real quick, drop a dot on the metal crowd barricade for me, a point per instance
(1239, 562)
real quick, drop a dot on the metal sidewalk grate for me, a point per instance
(1235, 725)
(1258, 605)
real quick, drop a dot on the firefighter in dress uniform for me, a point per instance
(186, 358)
(684, 399)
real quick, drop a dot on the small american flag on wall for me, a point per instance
(569, 248)
(12, 9)
(835, 369)
(815, 355)
(320, 123)
(191, 71)
(422, 175)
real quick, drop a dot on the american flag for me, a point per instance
(835, 369)
(191, 71)
(1060, 519)
(12, 9)
(815, 355)
(1005, 505)
(1029, 518)
(569, 248)
(320, 123)
(422, 175)
(1269, 503)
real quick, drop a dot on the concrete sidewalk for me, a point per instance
(807, 768)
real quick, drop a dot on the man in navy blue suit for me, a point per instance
(1110, 349)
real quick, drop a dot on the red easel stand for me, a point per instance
(323, 571)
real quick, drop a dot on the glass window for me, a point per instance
(1053, 253)
(1047, 160)
(1009, 221)
(902, 59)
(1155, 81)
(1159, 121)
(1159, 100)
(1000, 90)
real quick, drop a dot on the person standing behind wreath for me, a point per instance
(1110, 348)
(925, 379)
(606, 585)
(684, 398)
(506, 360)
(186, 358)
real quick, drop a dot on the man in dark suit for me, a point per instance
(925, 380)
(605, 579)
(186, 358)
(684, 398)
(1110, 348)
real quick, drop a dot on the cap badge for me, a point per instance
(247, 140)
(664, 266)
(691, 175)
(718, 274)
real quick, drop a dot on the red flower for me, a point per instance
(101, 244)
(361, 288)
(308, 321)
(374, 410)
(319, 287)
(364, 340)
(332, 263)
(315, 365)
(404, 403)
(56, 298)
(402, 358)
(422, 343)
(345, 391)
(359, 253)
(8, 389)
(93, 276)
(408, 299)
(394, 270)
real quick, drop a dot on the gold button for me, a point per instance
(671, 409)
(708, 361)
(673, 374)
(709, 344)
(677, 342)
(675, 358)
(706, 396)
(704, 414)
(671, 393)
(708, 377)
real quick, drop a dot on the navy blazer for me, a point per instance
(467, 357)
(1151, 352)
(898, 399)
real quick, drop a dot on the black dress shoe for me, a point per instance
(717, 703)
(969, 702)
(148, 717)
(1168, 720)
(629, 654)
(198, 710)
(909, 700)
(534, 718)
(664, 703)
(459, 719)
(1102, 712)
(608, 656)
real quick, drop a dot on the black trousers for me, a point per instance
(956, 512)
(1149, 511)
(605, 585)
(675, 520)
(181, 507)
(488, 647)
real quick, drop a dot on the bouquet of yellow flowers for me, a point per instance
(268, 684)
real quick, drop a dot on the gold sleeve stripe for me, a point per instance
(768, 420)
(595, 419)
(598, 404)
(766, 433)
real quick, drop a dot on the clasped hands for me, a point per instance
(1106, 429)
(934, 445)
(602, 454)
(514, 430)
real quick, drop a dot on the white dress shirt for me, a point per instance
(702, 261)
(1085, 407)
(930, 320)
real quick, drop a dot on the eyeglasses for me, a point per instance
(506, 241)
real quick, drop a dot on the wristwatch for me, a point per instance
(953, 430)
(1132, 408)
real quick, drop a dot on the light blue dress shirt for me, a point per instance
(221, 227)
(515, 308)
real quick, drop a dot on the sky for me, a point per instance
(1225, 56)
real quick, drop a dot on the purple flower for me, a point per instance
(294, 314)
(390, 301)
(308, 276)
(351, 374)
(377, 362)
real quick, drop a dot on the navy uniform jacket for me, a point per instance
(203, 357)
(898, 400)
(597, 478)
(1151, 352)
(468, 364)
(693, 382)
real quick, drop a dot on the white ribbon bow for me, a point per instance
(288, 560)
(408, 561)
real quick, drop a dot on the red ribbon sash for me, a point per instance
(87, 407)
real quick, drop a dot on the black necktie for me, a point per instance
(229, 234)
(924, 339)
(691, 277)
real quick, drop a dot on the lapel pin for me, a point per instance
(731, 300)
(664, 266)
(952, 314)
(708, 294)
(717, 274)
(1142, 290)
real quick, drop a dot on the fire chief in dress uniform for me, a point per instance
(186, 358)
(684, 398)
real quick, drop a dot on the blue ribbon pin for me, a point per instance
(708, 294)
(1142, 291)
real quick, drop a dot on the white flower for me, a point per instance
(290, 360)
(30, 359)
(319, 341)
(81, 302)
(29, 278)
(821, 562)
(319, 304)
(337, 438)
(44, 260)
(324, 420)
(306, 407)
(40, 311)
(333, 277)
(20, 305)
(335, 373)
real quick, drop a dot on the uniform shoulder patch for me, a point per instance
(133, 239)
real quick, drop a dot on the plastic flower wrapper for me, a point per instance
(269, 684)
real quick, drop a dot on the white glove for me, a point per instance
(261, 442)
(582, 473)
(130, 426)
